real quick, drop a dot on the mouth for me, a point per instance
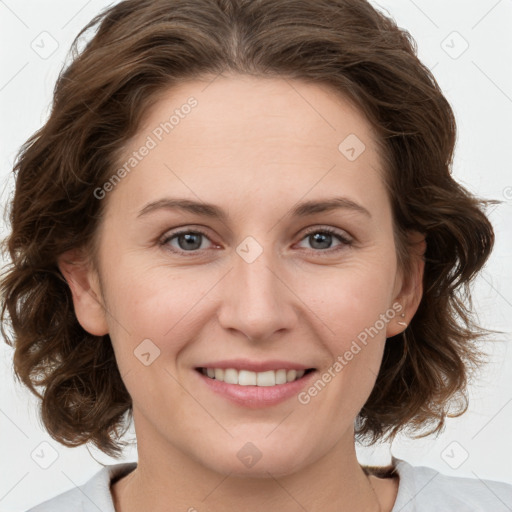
(248, 388)
(242, 377)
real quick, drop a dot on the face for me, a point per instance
(253, 272)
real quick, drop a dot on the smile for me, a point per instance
(250, 378)
(255, 389)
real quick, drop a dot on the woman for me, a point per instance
(239, 228)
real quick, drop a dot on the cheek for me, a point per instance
(353, 306)
(350, 298)
(352, 329)
(160, 304)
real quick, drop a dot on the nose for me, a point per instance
(257, 300)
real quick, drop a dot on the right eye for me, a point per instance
(185, 240)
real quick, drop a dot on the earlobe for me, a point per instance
(83, 282)
(411, 291)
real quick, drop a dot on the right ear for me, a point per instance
(83, 282)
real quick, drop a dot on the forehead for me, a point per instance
(248, 109)
(253, 134)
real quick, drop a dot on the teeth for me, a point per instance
(247, 378)
(281, 377)
(266, 378)
(230, 376)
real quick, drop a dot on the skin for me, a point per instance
(254, 147)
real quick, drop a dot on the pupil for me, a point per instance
(324, 238)
(191, 241)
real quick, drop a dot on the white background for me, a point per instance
(478, 84)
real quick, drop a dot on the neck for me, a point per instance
(166, 476)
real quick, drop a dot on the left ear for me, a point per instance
(411, 292)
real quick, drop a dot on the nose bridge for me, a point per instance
(257, 301)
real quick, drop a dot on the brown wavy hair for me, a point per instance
(141, 48)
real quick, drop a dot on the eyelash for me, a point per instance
(345, 242)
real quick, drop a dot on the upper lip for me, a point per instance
(255, 366)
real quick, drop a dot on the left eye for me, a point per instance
(191, 241)
(322, 239)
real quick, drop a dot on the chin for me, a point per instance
(256, 459)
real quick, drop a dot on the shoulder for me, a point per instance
(423, 489)
(91, 496)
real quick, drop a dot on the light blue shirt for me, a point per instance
(421, 489)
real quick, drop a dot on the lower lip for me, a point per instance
(257, 396)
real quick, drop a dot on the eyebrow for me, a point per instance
(212, 211)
